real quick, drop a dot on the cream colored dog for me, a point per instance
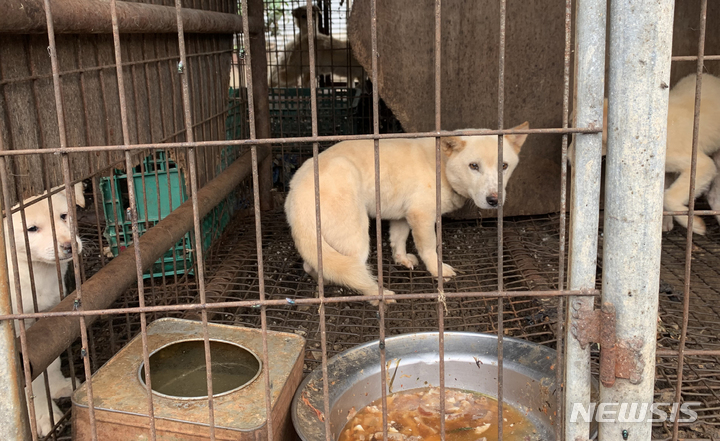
(332, 57)
(681, 105)
(407, 186)
(48, 289)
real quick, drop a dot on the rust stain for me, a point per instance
(319, 414)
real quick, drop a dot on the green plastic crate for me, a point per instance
(291, 115)
(118, 231)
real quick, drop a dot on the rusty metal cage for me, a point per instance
(92, 89)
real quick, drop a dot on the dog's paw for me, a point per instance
(448, 272)
(387, 292)
(408, 261)
(667, 223)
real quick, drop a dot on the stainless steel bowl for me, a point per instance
(470, 364)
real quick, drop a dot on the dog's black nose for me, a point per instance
(492, 200)
(66, 247)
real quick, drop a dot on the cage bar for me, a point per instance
(590, 41)
(640, 50)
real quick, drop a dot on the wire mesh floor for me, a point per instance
(530, 260)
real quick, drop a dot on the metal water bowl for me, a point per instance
(470, 364)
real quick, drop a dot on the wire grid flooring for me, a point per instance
(530, 261)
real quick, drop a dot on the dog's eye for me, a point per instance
(33, 229)
(63, 216)
(505, 165)
(474, 166)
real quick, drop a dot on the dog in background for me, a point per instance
(407, 192)
(678, 154)
(49, 290)
(332, 56)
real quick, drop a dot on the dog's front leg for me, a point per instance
(399, 232)
(677, 195)
(423, 229)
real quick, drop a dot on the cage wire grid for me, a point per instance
(531, 263)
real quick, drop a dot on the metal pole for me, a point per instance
(640, 51)
(590, 24)
(256, 31)
(93, 17)
(13, 411)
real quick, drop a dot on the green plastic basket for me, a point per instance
(291, 112)
(161, 199)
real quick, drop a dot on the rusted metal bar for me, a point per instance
(316, 175)
(258, 65)
(300, 301)
(378, 217)
(257, 84)
(303, 301)
(94, 17)
(590, 40)
(687, 352)
(501, 197)
(134, 226)
(441, 304)
(695, 57)
(47, 338)
(293, 140)
(192, 166)
(691, 211)
(560, 325)
(71, 215)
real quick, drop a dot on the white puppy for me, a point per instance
(332, 57)
(48, 289)
(407, 191)
(678, 156)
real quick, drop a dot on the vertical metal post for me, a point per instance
(256, 31)
(640, 51)
(13, 411)
(590, 25)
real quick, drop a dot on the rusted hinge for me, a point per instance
(618, 358)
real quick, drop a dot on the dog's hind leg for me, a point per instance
(713, 195)
(423, 230)
(399, 232)
(677, 195)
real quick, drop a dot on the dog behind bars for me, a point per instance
(49, 290)
(681, 112)
(332, 56)
(408, 199)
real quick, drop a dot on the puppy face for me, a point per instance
(472, 164)
(39, 230)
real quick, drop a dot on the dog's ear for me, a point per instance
(451, 144)
(517, 141)
(80, 194)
